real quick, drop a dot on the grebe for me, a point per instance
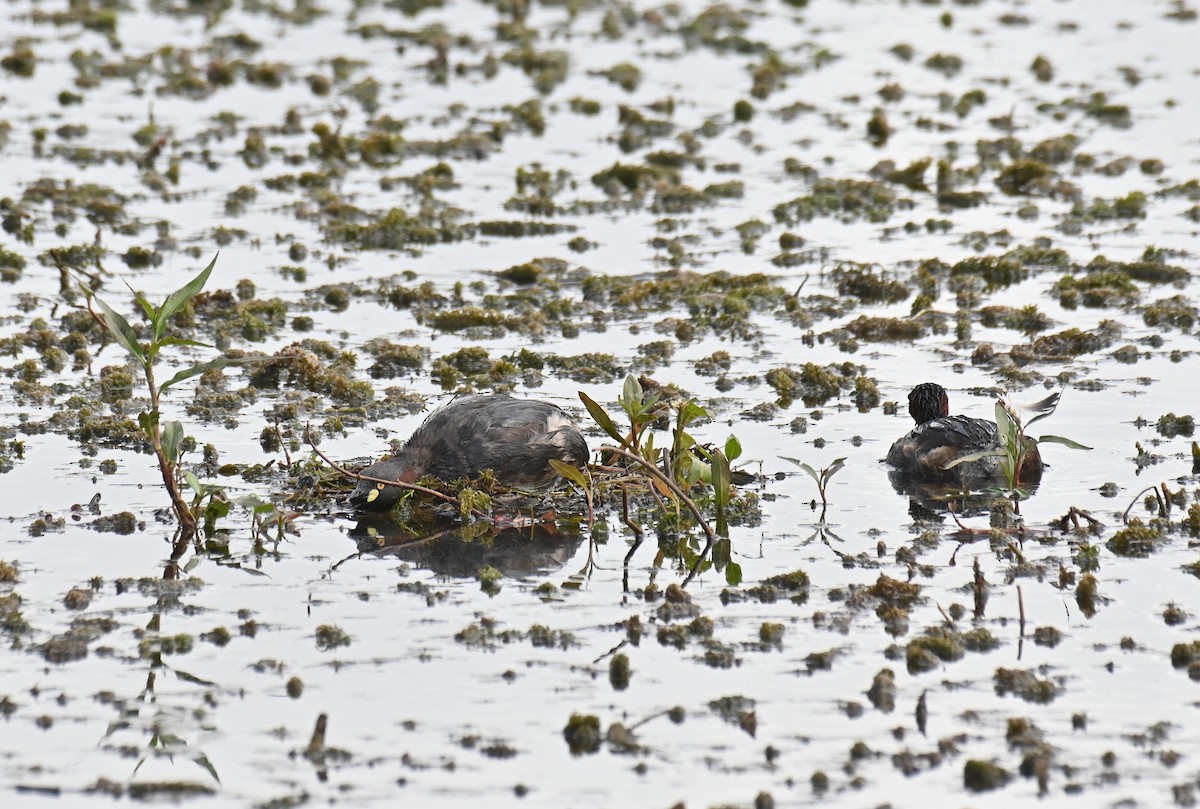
(939, 439)
(514, 438)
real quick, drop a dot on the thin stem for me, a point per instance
(1132, 503)
(416, 487)
(657, 474)
(187, 518)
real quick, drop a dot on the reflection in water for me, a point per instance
(930, 501)
(460, 551)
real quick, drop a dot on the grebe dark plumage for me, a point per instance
(939, 439)
(513, 438)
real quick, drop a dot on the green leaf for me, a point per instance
(194, 680)
(172, 436)
(195, 370)
(733, 448)
(832, 469)
(216, 509)
(179, 298)
(203, 761)
(194, 483)
(733, 574)
(812, 473)
(602, 418)
(569, 472)
(120, 329)
(722, 553)
(147, 307)
(179, 341)
(631, 396)
(720, 477)
(690, 411)
(1006, 427)
(683, 441)
(1058, 439)
(975, 456)
(1043, 408)
(148, 420)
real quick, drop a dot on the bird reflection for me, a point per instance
(930, 501)
(460, 550)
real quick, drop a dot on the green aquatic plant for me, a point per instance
(821, 477)
(685, 474)
(1015, 447)
(166, 439)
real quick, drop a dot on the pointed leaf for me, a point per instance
(832, 469)
(631, 395)
(203, 761)
(148, 421)
(180, 341)
(683, 441)
(1044, 407)
(172, 436)
(147, 307)
(179, 298)
(733, 574)
(1058, 439)
(196, 370)
(602, 418)
(648, 450)
(569, 472)
(120, 329)
(1006, 426)
(690, 411)
(733, 448)
(194, 680)
(251, 571)
(194, 483)
(720, 477)
(975, 456)
(812, 473)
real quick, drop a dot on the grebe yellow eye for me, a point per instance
(380, 486)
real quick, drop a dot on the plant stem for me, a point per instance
(187, 519)
(398, 483)
(678, 492)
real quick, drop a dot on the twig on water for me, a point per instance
(416, 487)
(1162, 509)
(1021, 608)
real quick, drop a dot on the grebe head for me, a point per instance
(375, 495)
(928, 401)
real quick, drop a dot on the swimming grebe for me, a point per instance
(939, 438)
(514, 438)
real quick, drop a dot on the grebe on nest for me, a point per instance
(940, 439)
(513, 438)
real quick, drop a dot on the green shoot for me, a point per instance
(1015, 447)
(165, 439)
(821, 477)
(681, 475)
